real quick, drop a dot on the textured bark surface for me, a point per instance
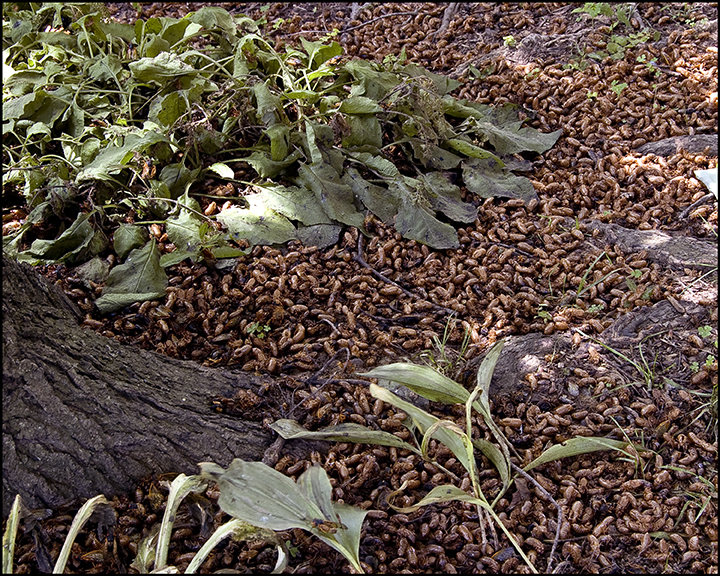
(84, 415)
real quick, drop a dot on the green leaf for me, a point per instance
(184, 231)
(335, 197)
(446, 198)
(440, 494)
(114, 158)
(262, 496)
(24, 106)
(279, 135)
(268, 168)
(222, 170)
(378, 164)
(471, 150)
(487, 179)
(180, 487)
(258, 224)
(211, 17)
(320, 235)
(443, 84)
(267, 104)
(423, 420)
(140, 278)
(375, 198)
(348, 432)
(128, 237)
(502, 128)
(163, 68)
(239, 531)
(295, 203)
(10, 535)
(575, 446)
(319, 53)
(82, 516)
(79, 242)
(372, 83)
(415, 222)
(365, 130)
(423, 380)
(496, 456)
(359, 105)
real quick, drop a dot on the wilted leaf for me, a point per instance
(258, 224)
(140, 278)
(575, 446)
(359, 105)
(423, 420)
(487, 179)
(294, 203)
(222, 170)
(180, 487)
(128, 237)
(349, 432)
(375, 198)
(262, 496)
(417, 223)
(710, 179)
(79, 242)
(161, 69)
(446, 198)
(320, 235)
(335, 197)
(440, 494)
(422, 380)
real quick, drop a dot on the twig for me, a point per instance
(695, 204)
(360, 260)
(448, 15)
(548, 497)
(315, 380)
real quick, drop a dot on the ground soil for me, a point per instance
(603, 290)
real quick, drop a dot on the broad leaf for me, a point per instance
(335, 197)
(417, 223)
(575, 446)
(140, 278)
(422, 380)
(487, 179)
(349, 432)
(258, 224)
(262, 496)
(294, 203)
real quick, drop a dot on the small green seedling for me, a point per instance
(618, 87)
(258, 330)
(704, 331)
(509, 41)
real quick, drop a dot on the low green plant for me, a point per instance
(424, 427)
(152, 550)
(704, 331)
(618, 87)
(106, 122)
(646, 370)
(442, 358)
(258, 330)
(509, 41)
(263, 497)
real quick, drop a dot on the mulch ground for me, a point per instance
(517, 272)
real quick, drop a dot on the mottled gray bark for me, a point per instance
(84, 415)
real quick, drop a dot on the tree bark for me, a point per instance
(85, 415)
